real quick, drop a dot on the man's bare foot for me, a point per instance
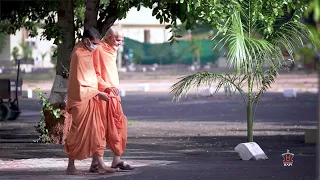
(74, 171)
(105, 169)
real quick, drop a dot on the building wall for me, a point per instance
(157, 34)
(40, 47)
(5, 53)
(136, 22)
(15, 41)
(11, 42)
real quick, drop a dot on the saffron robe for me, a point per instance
(86, 134)
(115, 121)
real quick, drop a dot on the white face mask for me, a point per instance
(92, 46)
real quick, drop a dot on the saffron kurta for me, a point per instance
(114, 120)
(86, 135)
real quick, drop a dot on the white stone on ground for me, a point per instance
(207, 91)
(250, 150)
(290, 92)
(122, 93)
(144, 87)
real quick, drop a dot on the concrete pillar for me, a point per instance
(119, 57)
(147, 36)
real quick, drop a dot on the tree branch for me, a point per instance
(102, 15)
(107, 17)
(107, 24)
(91, 14)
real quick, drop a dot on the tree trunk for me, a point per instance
(91, 14)
(249, 122)
(249, 111)
(66, 23)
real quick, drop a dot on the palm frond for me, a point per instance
(292, 36)
(205, 79)
(245, 51)
(248, 12)
(267, 80)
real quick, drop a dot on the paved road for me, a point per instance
(168, 140)
(273, 107)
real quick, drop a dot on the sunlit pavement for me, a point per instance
(54, 168)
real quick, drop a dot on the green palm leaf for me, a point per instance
(206, 79)
(245, 51)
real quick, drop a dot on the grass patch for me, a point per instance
(130, 122)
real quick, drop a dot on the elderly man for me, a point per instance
(86, 136)
(114, 120)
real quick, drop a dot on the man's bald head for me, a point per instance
(114, 37)
(114, 31)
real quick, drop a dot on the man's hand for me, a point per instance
(114, 90)
(104, 96)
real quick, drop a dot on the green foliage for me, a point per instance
(217, 13)
(195, 47)
(316, 35)
(311, 18)
(314, 9)
(230, 82)
(28, 14)
(79, 12)
(41, 127)
(26, 50)
(130, 122)
(307, 53)
(15, 53)
(253, 37)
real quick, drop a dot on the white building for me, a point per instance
(39, 48)
(143, 27)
